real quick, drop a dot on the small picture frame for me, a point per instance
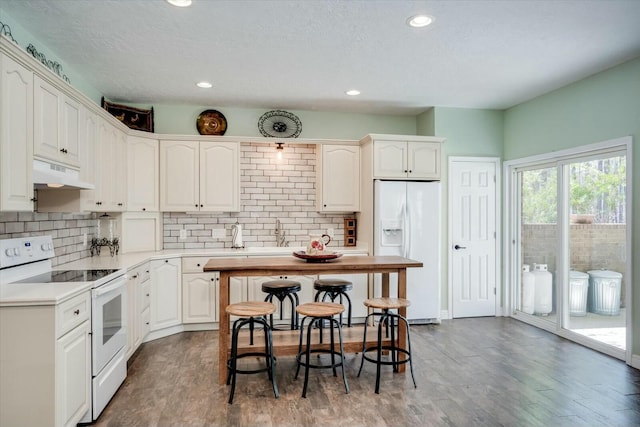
(350, 231)
(134, 118)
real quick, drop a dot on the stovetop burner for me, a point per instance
(68, 276)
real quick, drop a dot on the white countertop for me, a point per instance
(25, 294)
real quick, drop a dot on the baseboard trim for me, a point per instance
(635, 361)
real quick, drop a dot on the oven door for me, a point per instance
(109, 320)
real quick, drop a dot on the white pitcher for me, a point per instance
(317, 244)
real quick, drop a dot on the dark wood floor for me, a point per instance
(470, 372)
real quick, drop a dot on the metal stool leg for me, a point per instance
(307, 360)
(364, 341)
(342, 361)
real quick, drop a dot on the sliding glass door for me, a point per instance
(569, 245)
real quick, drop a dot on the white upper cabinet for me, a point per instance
(407, 159)
(57, 124)
(199, 176)
(219, 176)
(338, 178)
(16, 136)
(142, 174)
(179, 176)
(89, 136)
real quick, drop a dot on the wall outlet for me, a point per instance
(183, 234)
(84, 239)
(218, 233)
(330, 232)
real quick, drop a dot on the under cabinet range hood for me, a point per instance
(51, 175)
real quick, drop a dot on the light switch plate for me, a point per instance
(183, 234)
(218, 233)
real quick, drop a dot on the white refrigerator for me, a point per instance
(407, 223)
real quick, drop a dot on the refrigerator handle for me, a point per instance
(407, 231)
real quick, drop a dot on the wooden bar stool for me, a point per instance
(390, 320)
(334, 288)
(320, 311)
(251, 313)
(282, 289)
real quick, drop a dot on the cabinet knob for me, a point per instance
(197, 265)
(144, 209)
(410, 171)
(166, 260)
(201, 205)
(147, 294)
(76, 312)
(405, 171)
(212, 279)
(146, 323)
(119, 204)
(33, 199)
(196, 205)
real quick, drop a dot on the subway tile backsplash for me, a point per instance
(66, 229)
(270, 189)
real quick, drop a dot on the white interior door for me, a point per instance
(472, 251)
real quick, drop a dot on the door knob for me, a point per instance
(458, 247)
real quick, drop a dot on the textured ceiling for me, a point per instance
(305, 54)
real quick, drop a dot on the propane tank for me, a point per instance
(543, 290)
(528, 290)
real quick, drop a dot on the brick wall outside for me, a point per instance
(592, 247)
(66, 229)
(270, 189)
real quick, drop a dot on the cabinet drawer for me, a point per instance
(145, 295)
(144, 272)
(194, 264)
(73, 312)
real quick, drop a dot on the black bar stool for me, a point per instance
(390, 320)
(320, 311)
(282, 289)
(251, 313)
(334, 288)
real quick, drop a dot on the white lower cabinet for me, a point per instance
(138, 297)
(199, 300)
(166, 294)
(46, 363)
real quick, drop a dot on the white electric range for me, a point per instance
(27, 278)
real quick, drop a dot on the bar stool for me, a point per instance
(390, 320)
(251, 313)
(334, 288)
(320, 311)
(282, 289)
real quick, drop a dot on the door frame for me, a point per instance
(498, 218)
(510, 270)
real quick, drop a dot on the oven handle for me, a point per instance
(119, 282)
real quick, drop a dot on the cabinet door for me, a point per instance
(16, 136)
(47, 116)
(199, 297)
(103, 165)
(73, 375)
(142, 174)
(390, 159)
(179, 176)
(424, 160)
(71, 131)
(118, 180)
(340, 178)
(143, 317)
(166, 297)
(132, 312)
(219, 177)
(89, 135)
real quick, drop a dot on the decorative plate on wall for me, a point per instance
(281, 124)
(211, 122)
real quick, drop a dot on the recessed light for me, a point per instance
(179, 3)
(353, 92)
(204, 85)
(418, 21)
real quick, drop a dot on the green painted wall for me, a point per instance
(601, 107)
(24, 38)
(425, 123)
(181, 120)
(468, 132)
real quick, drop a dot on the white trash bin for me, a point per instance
(604, 292)
(578, 289)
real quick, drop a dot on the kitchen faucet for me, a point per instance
(280, 235)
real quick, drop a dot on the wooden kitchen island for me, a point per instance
(286, 342)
